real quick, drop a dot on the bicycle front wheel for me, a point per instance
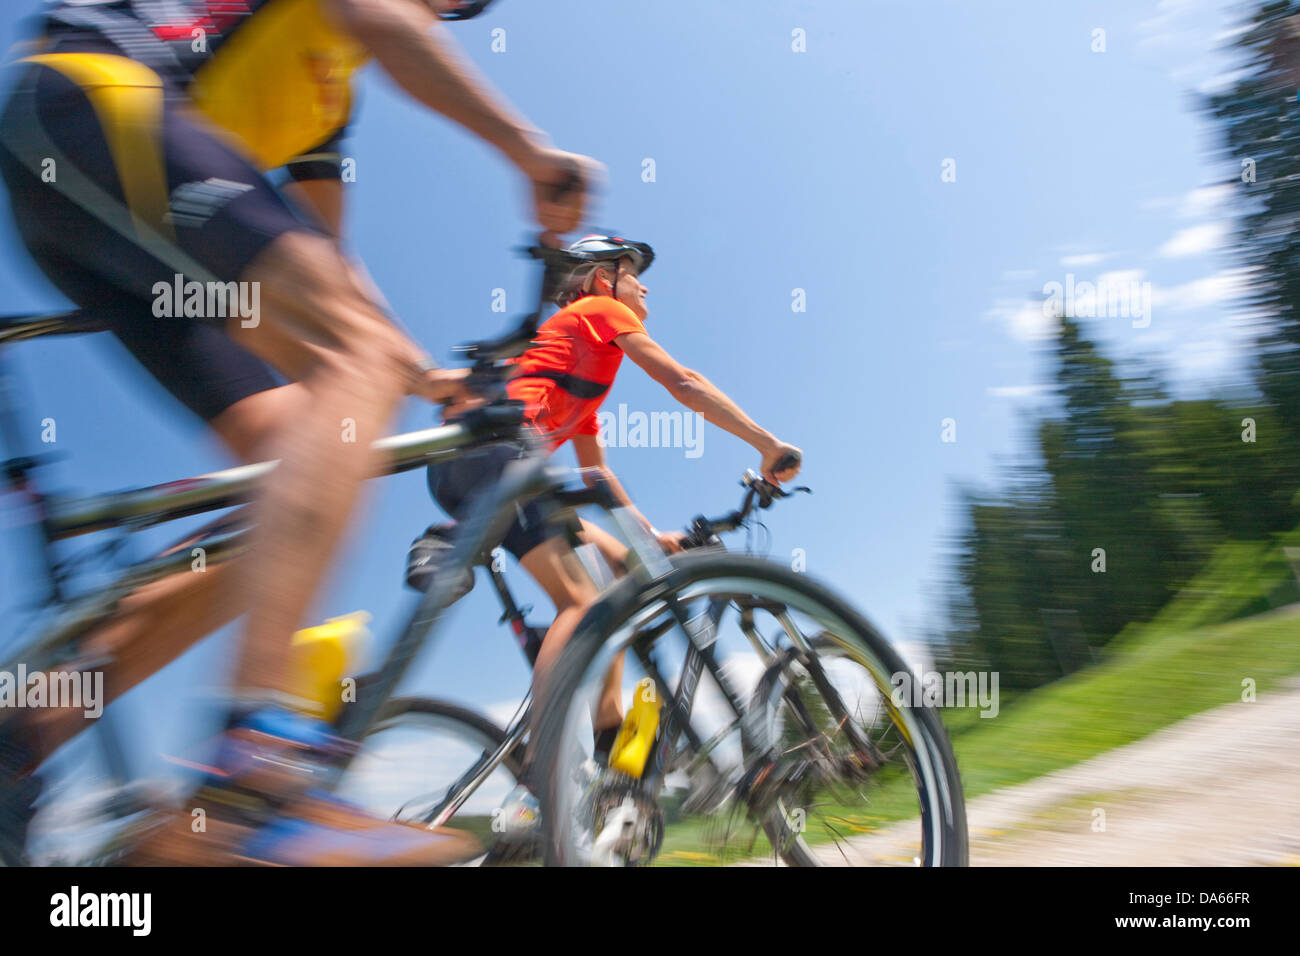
(793, 752)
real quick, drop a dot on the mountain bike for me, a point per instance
(763, 752)
(809, 762)
(66, 615)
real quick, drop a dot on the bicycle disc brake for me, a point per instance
(628, 825)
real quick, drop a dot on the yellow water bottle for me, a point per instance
(636, 737)
(322, 656)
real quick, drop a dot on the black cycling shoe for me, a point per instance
(19, 789)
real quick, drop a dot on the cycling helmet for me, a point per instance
(591, 251)
(466, 10)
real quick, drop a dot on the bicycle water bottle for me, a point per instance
(322, 656)
(636, 737)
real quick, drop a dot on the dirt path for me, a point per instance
(1221, 788)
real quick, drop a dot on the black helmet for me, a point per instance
(466, 10)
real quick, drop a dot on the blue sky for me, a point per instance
(775, 170)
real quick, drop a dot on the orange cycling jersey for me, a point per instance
(564, 378)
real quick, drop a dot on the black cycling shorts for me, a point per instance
(115, 187)
(455, 484)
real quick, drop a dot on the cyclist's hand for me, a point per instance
(671, 541)
(548, 169)
(774, 456)
(447, 387)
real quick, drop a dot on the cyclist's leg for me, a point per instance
(318, 327)
(554, 567)
(611, 549)
(160, 621)
(541, 548)
(248, 426)
(196, 208)
(230, 217)
(88, 259)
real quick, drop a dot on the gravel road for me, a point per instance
(1221, 788)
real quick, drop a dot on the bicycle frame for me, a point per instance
(60, 519)
(679, 704)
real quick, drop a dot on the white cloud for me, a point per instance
(1023, 319)
(1231, 33)
(1182, 40)
(1221, 82)
(1083, 259)
(1200, 293)
(1196, 204)
(1118, 277)
(1205, 357)
(1195, 240)
(1018, 391)
(1204, 201)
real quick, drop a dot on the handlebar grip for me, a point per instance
(787, 461)
(572, 181)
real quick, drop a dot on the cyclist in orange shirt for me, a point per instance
(563, 379)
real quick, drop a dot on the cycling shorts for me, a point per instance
(455, 485)
(115, 187)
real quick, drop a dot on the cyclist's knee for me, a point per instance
(568, 594)
(548, 567)
(320, 319)
(375, 356)
(247, 426)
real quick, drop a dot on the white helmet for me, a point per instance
(592, 251)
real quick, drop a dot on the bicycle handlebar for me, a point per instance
(758, 492)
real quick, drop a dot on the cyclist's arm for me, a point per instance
(412, 46)
(700, 395)
(590, 454)
(314, 182)
(323, 197)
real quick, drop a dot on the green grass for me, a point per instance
(1158, 679)
(1223, 629)
(1193, 656)
(1243, 578)
(1150, 684)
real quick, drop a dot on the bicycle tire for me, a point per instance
(945, 840)
(473, 726)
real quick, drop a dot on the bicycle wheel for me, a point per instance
(817, 737)
(417, 759)
(839, 770)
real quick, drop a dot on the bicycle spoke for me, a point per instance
(799, 759)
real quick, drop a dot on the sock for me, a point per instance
(604, 744)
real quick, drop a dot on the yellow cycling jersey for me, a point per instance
(281, 81)
(275, 74)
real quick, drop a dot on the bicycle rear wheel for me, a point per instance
(419, 756)
(819, 767)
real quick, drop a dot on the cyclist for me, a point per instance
(563, 379)
(136, 147)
